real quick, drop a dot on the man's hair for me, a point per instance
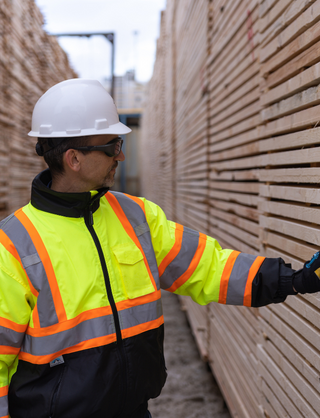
(54, 157)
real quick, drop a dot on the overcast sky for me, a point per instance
(136, 24)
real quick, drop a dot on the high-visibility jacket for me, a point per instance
(81, 324)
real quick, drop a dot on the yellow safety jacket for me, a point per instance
(81, 323)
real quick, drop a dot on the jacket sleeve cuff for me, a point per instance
(285, 281)
(272, 283)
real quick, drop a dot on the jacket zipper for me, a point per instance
(88, 218)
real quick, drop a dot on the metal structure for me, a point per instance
(110, 36)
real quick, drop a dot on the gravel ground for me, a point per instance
(190, 391)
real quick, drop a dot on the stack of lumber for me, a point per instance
(152, 152)
(191, 135)
(234, 117)
(289, 361)
(31, 61)
(191, 114)
(240, 81)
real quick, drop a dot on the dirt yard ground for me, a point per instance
(190, 391)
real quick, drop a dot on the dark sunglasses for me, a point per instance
(111, 149)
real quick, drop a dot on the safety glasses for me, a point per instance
(111, 149)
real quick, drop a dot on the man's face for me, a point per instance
(97, 169)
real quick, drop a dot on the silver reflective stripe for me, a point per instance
(141, 229)
(35, 270)
(86, 330)
(141, 314)
(238, 278)
(5, 220)
(30, 260)
(11, 338)
(4, 412)
(189, 245)
(138, 220)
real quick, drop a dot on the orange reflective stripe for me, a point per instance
(193, 265)
(5, 350)
(85, 345)
(12, 325)
(4, 391)
(125, 304)
(35, 317)
(174, 250)
(44, 256)
(139, 329)
(224, 281)
(9, 246)
(71, 323)
(247, 299)
(115, 205)
(138, 201)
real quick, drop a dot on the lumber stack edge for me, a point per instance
(230, 147)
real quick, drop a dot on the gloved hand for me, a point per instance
(307, 279)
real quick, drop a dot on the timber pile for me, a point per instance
(234, 117)
(240, 90)
(155, 114)
(289, 361)
(31, 61)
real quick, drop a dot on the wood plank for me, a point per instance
(273, 339)
(238, 140)
(275, 363)
(244, 224)
(298, 194)
(303, 327)
(305, 79)
(297, 230)
(289, 246)
(271, 404)
(240, 187)
(297, 102)
(231, 207)
(276, 380)
(294, 140)
(296, 20)
(278, 9)
(290, 175)
(298, 212)
(245, 199)
(294, 66)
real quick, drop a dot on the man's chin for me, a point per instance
(109, 182)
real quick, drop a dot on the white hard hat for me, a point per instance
(76, 107)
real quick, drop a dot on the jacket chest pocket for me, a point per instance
(131, 266)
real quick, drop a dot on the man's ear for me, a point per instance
(72, 160)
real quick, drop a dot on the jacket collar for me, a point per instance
(73, 205)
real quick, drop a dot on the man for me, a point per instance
(81, 325)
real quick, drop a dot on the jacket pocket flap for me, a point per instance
(127, 254)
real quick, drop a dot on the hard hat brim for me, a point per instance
(115, 129)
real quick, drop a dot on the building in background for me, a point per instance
(129, 93)
(129, 97)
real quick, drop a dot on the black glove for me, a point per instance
(307, 280)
